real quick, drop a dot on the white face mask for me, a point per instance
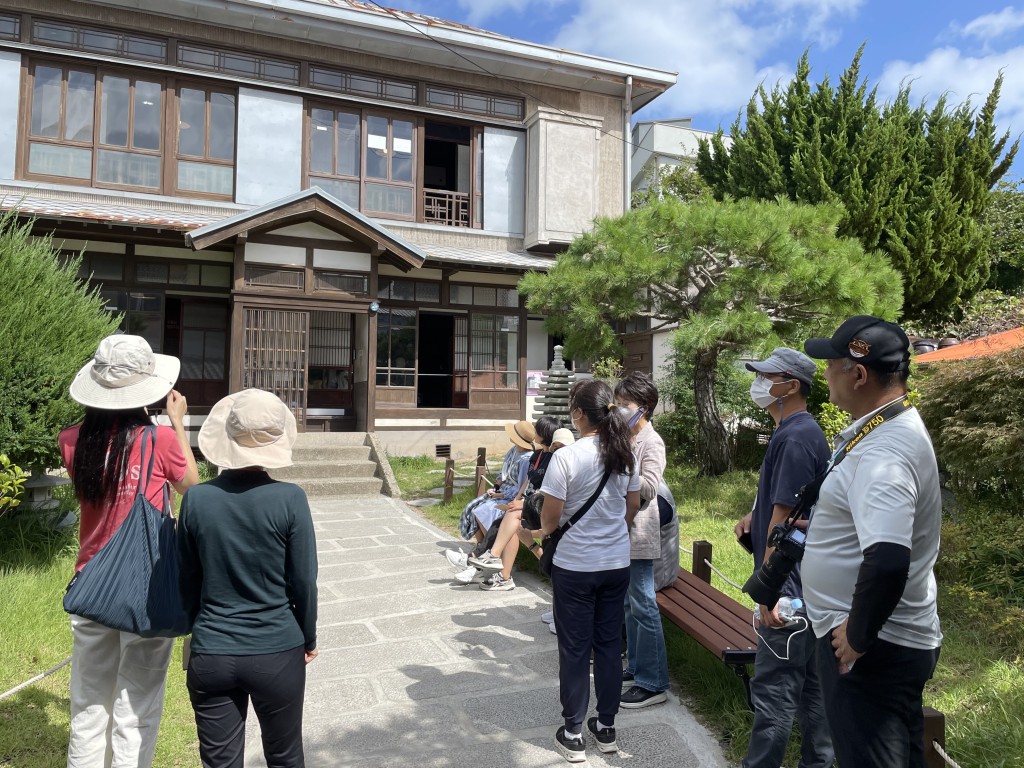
(760, 391)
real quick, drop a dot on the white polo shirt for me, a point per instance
(600, 540)
(885, 490)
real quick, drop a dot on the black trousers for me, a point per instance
(874, 710)
(589, 610)
(220, 688)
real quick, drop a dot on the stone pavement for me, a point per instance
(415, 670)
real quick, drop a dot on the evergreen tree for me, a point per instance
(914, 182)
(734, 276)
(50, 324)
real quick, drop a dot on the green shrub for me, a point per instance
(974, 410)
(50, 324)
(12, 484)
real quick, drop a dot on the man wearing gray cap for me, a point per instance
(871, 549)
(786, 683)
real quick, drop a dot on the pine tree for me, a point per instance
(914, 182)
(734, 276)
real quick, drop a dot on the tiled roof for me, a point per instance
(88, 206)
(983, 347)
(485, 258)
(410, 16)
(176, 215)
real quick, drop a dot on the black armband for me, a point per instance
(880, 584)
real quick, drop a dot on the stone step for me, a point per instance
(329, 439)
(302, 453)
(340, 487)
(325, 469)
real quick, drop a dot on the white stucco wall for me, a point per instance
(10, 86)
(269, 155)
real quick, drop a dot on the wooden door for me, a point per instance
(275, 356)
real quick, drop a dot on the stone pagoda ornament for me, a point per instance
(555, 384)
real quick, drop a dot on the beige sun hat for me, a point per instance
(563, 436)
(124, 373)
(251, 428)
(522, 433)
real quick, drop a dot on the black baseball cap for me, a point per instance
(866, 339)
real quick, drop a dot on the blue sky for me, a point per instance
(723, 48)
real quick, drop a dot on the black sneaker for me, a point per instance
(571, 749)
(605, 736)
(637, 697)
(627, 678)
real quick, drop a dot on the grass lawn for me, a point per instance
(35, 567)
(979, 683)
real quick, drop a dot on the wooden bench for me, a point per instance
(723, 626)
(711, 617)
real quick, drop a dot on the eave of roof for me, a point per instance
(399, 34)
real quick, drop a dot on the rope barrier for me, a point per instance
(685, 551)
(942, 753)
(35, 679)
(725, 578)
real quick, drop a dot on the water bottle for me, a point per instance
(789, 607)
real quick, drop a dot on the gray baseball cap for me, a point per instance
(789, 362)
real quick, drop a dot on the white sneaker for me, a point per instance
(457, 558)
(548, 618)
(552, 629)
(467, 575)
(495, 583)
(486, 561)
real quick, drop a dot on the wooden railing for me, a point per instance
(443, 207)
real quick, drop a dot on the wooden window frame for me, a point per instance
(174, 120)
(170, 115)
(494, 370)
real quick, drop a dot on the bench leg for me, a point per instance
(744, 675)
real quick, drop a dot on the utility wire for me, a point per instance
(416, 28)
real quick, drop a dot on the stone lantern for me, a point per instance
(555, 384)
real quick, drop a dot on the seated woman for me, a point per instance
(479, 513)
(502, 556)
(544, 428)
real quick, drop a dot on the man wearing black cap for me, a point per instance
(871, 547)
(785, 683)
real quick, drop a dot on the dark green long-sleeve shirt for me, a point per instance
(247, 555)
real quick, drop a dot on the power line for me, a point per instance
(416, 28)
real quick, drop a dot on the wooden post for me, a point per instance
(481, 470)
(702, 552)
(934, 730)
(449, 480)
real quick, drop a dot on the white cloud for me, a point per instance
(719, 47)
(479, 11)
(993, 25)
(948, 70)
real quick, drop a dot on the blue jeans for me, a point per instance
(784, 690)
(645, 639)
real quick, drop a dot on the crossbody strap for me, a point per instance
(589, 503)
(149, 437)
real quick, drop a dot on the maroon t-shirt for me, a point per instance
(98, 524)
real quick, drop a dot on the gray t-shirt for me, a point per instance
(886, 490)
(599, 541)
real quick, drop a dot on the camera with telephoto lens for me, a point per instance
(765, 584)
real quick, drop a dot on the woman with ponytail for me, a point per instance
(590, 570)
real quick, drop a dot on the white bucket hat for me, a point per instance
(124, 373)
(251, 428)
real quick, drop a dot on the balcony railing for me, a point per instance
(448, 208)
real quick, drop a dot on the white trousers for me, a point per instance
(117, 696)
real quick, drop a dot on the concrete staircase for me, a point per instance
(339, 464)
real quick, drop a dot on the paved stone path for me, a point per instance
(415, 670)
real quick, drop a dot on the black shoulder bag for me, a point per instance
(550, 541)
